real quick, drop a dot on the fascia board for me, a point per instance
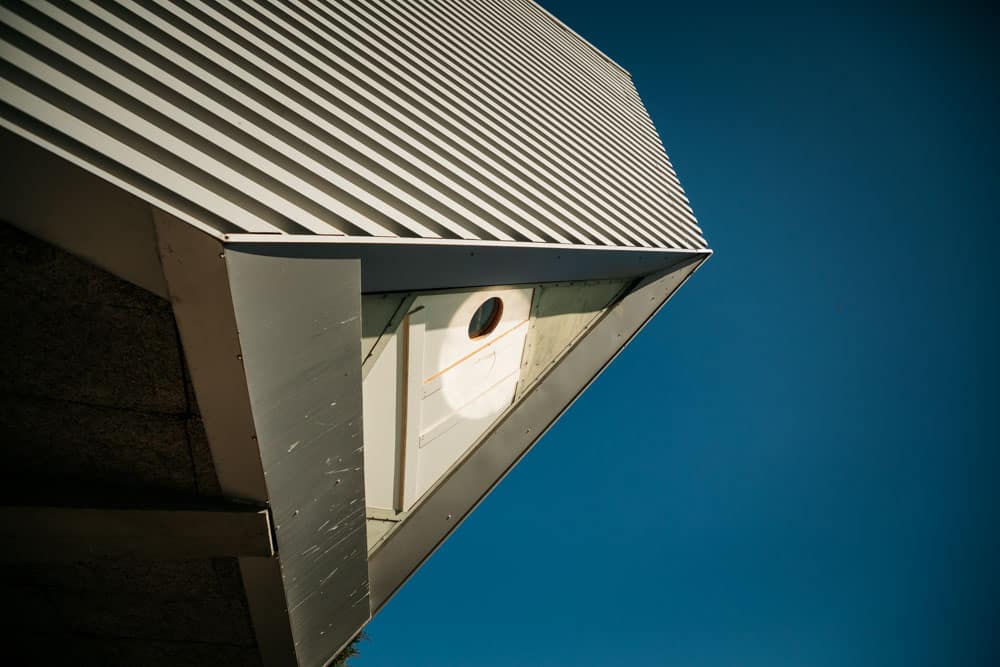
(406, 265)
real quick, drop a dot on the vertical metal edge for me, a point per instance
(199, 292)
(414, 328)
(430, 523)
(404, 413)
(299, 322)
(198, 288)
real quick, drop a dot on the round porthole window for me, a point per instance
(486, 318)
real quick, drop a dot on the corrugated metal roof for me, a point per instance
(439, 119)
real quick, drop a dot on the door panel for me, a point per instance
(458, 385)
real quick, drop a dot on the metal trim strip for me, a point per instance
(395, 267)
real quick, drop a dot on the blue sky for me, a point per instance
(796, 462)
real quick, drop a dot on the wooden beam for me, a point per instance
(52, 534)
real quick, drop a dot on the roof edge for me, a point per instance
(583, 39)
(339, 240)
(410, 266)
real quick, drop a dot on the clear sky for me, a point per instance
(796, 462)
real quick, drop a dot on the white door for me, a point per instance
(464, 363)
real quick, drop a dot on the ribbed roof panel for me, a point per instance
(482, 120)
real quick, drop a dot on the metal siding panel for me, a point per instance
(198, 283)
(480, 120)
(560, 314)
(300, 333)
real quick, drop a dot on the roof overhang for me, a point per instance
(271, 329)
(299, 160)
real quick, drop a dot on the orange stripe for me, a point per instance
(474, 352)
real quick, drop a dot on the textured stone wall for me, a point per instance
(92, 380)
(96, 408)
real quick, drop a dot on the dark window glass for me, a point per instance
(486, 318)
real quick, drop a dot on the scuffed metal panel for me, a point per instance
(300, 333)
(476, 119)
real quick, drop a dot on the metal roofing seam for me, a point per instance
(322, 139)
(617, 67)
(579, 51)
(420, 118)
(130, 181)
(548, 170)
(406, 125)
(426, 69)
(441, 101)
(284, 192)
(483, 120)
(347, 131)
(511, 99)
(41, 109)
(611, 155)
(266, 141)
